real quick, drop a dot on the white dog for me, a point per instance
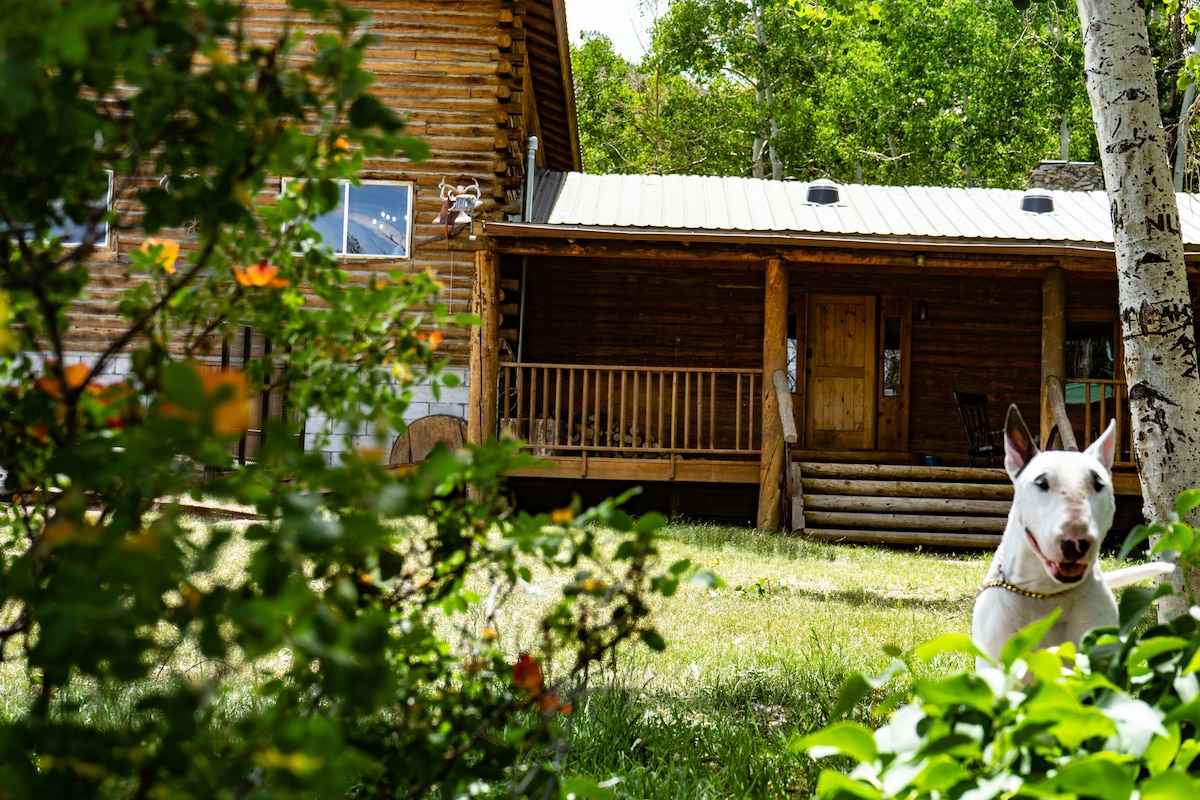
(1062, 508)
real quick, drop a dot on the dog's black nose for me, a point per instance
(1075, 549)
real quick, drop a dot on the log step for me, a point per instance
(901, 504)
(906, 538)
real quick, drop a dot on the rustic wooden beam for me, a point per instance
(847, 487)
(775, 306)
(1054, 337)
(783, 396)
(485, 349)
(911, 538)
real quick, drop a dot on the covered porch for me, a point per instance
(764, 359)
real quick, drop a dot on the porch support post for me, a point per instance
(774, 358)
(1054, 339)
(485, 348)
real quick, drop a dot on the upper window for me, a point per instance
(72, 232)
(371, 219)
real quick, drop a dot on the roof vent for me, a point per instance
(1037, 201)
(822, 192)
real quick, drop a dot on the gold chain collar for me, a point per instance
(1001, 583)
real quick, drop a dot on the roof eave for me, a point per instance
(798, 238)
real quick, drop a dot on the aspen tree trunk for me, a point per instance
(1155, 306)
(768, 125)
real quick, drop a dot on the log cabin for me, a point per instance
(779, 353)
(806, 341)
(475, 79)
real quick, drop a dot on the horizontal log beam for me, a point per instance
(819, 469)
(837, 519)
(901, 488)
(912, 538)
(907, 505)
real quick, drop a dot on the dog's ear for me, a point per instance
(1105, 448)
(1018, 443)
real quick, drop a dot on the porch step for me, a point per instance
(901, 504)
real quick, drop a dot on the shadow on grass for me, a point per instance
(864, 597)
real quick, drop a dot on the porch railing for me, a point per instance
(637, 412)
(1089, 405)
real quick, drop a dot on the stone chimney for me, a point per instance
(1071, 176)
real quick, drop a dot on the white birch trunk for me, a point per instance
(1155, 306)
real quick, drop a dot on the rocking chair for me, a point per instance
(972, 410)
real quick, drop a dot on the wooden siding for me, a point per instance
(642, 313)
(474, 78)
(982, 333)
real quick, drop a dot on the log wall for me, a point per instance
(642, 313)
(464, 72)
(982, 334)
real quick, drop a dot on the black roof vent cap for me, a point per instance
(822, 192)
(1037, 201)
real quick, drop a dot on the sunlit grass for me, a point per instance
(753, 663)
(748, 665)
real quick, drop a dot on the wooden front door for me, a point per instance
(840, 397)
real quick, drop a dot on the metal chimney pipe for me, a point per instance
(527, 197)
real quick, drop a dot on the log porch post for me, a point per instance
(774, 358)
(485, 348)
(1054, 339)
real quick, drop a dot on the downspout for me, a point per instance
(1181, 132)
(531, 146)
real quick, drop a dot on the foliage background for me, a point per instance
(895, 92)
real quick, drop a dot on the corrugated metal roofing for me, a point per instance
(749, 205)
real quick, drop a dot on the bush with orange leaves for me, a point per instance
(396, 681)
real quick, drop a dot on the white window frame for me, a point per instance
(70, 227)
(344, 188)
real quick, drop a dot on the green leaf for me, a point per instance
(844, 738)
(1163, 749)
(1137, 662)
(1172, 785)
(859, 686)
(928, 650)
(653, 639)
(962, 689)
(1029, 637)
(1092, 776)
(1136, 601)
(1188, 500)
(1135, 537)
(833, 785)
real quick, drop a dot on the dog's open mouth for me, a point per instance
(1061, 571)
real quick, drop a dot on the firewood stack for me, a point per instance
(627, 443)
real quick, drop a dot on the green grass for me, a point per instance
(747, 666)
(752, 664)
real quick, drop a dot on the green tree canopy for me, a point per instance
(892, 92)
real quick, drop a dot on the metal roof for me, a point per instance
(755, 206)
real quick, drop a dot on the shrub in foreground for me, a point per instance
(1115, 720)
(356, 653)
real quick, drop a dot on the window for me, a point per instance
(372, 219)
(72, 232)
(892, 336)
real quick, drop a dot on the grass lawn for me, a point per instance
(751, 664)
(747, 666)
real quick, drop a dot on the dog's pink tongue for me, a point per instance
(1070, 571)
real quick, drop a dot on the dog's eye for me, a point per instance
(1042, 482)
(1097, 482)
